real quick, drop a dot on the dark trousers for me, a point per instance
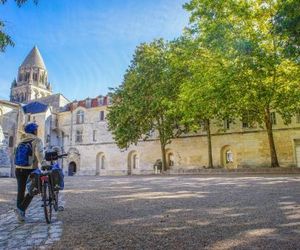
(22, 200)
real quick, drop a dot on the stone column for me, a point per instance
(31, 76)
(5, 164)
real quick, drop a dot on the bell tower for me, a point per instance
(32, 81)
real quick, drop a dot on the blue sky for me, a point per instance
(86, 44)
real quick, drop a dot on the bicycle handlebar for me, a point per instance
(53, 156)
(62, 155)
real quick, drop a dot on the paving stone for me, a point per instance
(24, 248)
(2, 244)
(33, 233)
(37, 242)
(49, 242)
(55, 235)
(39, 235)
(4, 236)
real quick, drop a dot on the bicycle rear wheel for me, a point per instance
(55, 199)
(47, 201)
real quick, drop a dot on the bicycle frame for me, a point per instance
(44, 178)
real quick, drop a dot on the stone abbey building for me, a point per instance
(80, 129)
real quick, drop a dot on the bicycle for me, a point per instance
(49, 192)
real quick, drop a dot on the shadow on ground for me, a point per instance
(182, 212)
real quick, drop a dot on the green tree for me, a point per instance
(5, 39)
(143, 102)
(264, 80)
(287, 25)
(204, 90)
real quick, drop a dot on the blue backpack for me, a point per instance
(24, 154)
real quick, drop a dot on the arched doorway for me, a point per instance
(74, 156)
(72, 168)
(228, 157)
(132, 162)
(100, 163)
(170, 159)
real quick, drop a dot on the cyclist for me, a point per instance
(29, 154)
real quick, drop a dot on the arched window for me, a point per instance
(79, 117)
(27, 75)
(21, 97)
(35, 76)
(36, 94)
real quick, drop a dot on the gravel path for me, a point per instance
(181, 212)
(163, 212)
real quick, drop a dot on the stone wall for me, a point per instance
(236, 147)
(9, 135)
(249, 150)
(5, 162)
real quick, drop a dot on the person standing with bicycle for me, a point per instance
(29, 154)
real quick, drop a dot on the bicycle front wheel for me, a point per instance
(47, 201)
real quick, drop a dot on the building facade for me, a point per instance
(9, 127)
(80, 129)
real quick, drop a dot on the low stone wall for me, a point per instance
(196, 171)
(237, 170)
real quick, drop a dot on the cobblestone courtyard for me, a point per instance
(162, 212)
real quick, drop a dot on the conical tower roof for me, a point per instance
(34, 59)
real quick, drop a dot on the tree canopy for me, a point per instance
(242, 32)
(287, 25)
(143, 102)
(231, 62)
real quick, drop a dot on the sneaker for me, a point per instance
(20, 215)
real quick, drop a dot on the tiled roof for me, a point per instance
(35, 107)
(83, 103)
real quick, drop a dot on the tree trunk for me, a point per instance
(163, 148)
(163, 157)
(210, 159)
(268, 123)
